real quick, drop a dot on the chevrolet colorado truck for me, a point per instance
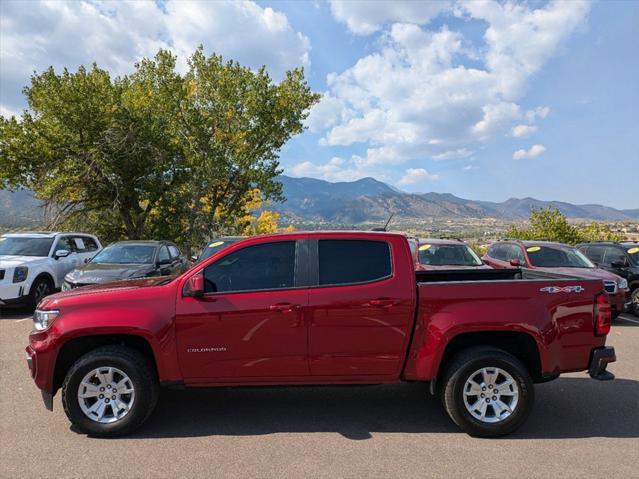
(318, 308)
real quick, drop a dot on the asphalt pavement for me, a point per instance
(579, 428)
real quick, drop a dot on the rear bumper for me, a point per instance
(599, 361)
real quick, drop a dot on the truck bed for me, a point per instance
(554, 311)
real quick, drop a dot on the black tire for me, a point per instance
(634, 305)
(462, 367)
(142, 375)
(40, 288)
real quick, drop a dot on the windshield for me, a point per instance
(544, 256)
(214, 246)
(25, 246)
(125, 254)
(633, 253)
(448, 255)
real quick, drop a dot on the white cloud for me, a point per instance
(116, 34)
(470, 167)
(417, 175)
(364, 17)
(424, 94)
(522, 131)
(533, 152)
(539, 112)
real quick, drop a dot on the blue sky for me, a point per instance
(480, 99)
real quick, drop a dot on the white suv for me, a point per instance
(33, 265)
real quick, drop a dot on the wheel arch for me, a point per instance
(43, 275)
(75, 348)
(521, 345)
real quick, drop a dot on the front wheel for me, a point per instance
(40, 288)
(634, 306)
(487, 392)
(109, 391)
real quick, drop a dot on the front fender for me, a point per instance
(136, 315)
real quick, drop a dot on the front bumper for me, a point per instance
(599, 361)
(12, 293)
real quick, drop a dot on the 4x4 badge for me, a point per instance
(562, 289)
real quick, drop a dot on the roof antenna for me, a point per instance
(386, 225)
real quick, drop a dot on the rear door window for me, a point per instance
(353, 261)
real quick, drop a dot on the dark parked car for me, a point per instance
(619, 258)
(558, 258)
(127, 260)
(215, 245)
(446, 254)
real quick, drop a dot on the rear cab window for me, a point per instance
(343, 262)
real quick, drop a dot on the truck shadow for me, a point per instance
(565, 408)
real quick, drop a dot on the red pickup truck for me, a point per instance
(318, 308)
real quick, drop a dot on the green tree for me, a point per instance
(153, 153)
(551, 225)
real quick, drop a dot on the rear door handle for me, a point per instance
(284, 307)
(383, 303)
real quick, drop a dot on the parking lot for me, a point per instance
(579, 428)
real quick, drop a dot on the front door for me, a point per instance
(361, 309)
(249, 322)
(66, 264)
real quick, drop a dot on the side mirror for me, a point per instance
(515, 262)
(194, 286)
(61, 253)
(618, 264)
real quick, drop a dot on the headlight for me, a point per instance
(623, 284)
(20, 274)
(43, 319)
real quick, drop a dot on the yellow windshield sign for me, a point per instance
(216, 244)
(532, 249)
(633, 250)
(424, 247)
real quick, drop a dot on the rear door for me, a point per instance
(361, 305)
(249, 323)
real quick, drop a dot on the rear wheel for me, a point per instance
(110, 391)
(634, 307)
(487, 392)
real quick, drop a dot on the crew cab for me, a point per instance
(551, 257)
(318, 308)
(33, 265)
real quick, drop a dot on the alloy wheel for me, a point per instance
(491, 394)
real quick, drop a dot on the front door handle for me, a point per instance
(284, 307)
(383, 303)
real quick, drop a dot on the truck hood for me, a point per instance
(93, 273)
(12, 261)
(105, 288)
(590, 273)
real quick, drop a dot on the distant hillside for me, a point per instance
(310, 200)
(19, 209)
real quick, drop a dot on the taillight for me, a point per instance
(603, 318)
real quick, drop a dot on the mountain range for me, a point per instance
(367, 199)
(309, 200)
